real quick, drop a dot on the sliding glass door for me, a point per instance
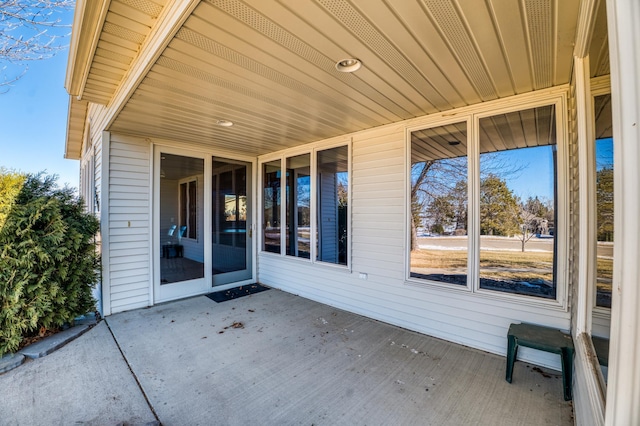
(231, 221)
(181, 233)
(203, 218)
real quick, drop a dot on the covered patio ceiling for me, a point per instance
(269, 66)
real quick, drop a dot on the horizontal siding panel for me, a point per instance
(128, 284)
(142, 233)
(132, 158)
(363, 200)
(133, 202)
(381, 232)
(366, 221)
(139, 272)
(377, 159)
(115, 253)
(369, 189)
(379, 145)
(388, 207)
(130, 174)
(128, 167)
(141, 280)
(129, 192)
(129, 304)
(119, 195)
(129, 237)
(129, 245)
(126, 224)
(375, 250)
(133, 181)
(129, 210)
(370, 239)
(381, 173)
(130, 263)
(122, 143)
(126, 217)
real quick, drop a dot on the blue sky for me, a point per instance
(536, 176)
(33, 115)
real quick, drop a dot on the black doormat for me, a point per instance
(234, 293)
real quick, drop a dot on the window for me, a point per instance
(604, 199)
(517, 202)
(271, 173)
(439, 204)
(483, 207)
(298, 207)
(319, 181)
(189, 209)
(333, 202)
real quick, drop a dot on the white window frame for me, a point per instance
(282, 156)
(473, 114)
(601, 316)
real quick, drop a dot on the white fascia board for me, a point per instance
(76, 119)
(88, 20)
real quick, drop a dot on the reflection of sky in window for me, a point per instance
(535, 171)
(604, 153)
(304, 191)
(343, 178)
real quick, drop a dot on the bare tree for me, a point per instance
(30, 30)
(433, 179)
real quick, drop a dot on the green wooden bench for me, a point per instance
(545, 339)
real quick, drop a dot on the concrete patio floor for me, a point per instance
(272, 358)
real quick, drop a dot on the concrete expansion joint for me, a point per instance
(135, 377)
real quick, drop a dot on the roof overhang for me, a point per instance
(76, 119)
(88, 20)
(173, 69)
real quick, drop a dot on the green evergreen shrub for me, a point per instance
(48, 261)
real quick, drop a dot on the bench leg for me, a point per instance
(512, 351)
(567, 372)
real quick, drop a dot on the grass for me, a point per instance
(445, 259)
(510, 265)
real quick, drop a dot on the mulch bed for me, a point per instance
(36, 336)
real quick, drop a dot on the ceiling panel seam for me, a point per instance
(211, 46)
(358, 25)
(254, 117)
(275, 32)
(240, 89)
(445, 17)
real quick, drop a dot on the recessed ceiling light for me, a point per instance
(348, 65)
(454, 143)
(224, 123)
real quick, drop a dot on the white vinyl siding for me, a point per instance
(129, 223)
(379, 238)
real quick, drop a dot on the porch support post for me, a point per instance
(623, 390)
(104, 224)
